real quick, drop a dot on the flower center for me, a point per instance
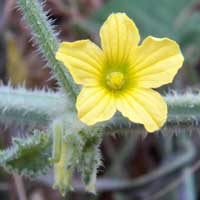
(115, 80)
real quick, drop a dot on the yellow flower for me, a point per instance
(119, 75)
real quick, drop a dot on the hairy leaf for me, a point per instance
(28, 156)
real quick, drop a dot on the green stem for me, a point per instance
(39, 108)
(43, 34)
(34, 108)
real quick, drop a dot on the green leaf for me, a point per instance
(158, 18)
(190, 30)
(28, 156)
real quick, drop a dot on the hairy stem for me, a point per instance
(43, 33)
(39, 107)
(33, 108)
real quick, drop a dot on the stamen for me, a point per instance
(115, 80)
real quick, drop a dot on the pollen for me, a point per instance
(115, 80)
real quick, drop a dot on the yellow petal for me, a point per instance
(156, 62)
(144, 106)
(95, 104)
(83, 59)
(119, 35)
